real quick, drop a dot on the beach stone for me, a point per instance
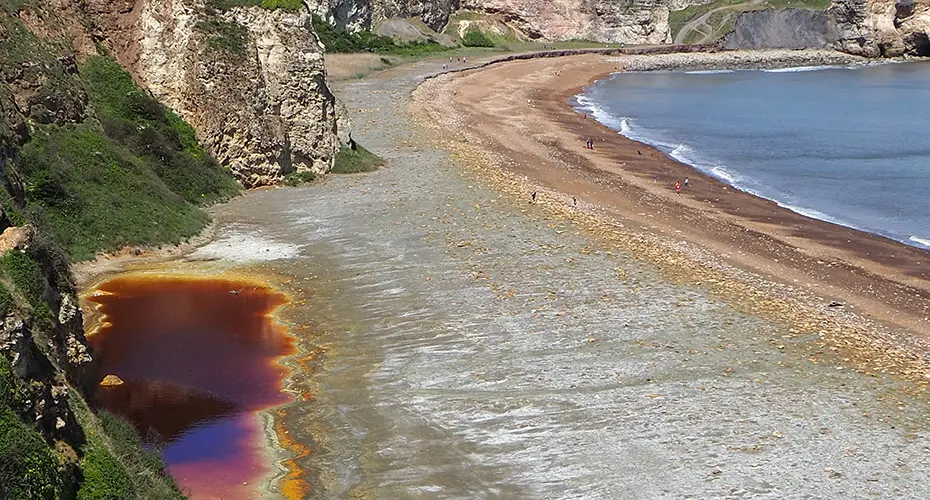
(111, 381)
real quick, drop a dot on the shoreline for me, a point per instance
(523, 128)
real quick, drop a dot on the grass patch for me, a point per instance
(295, 179)
(93, 195)
(28, 469)
(475, 38)
(6, 305)
(341, 41)
(153, 132)
(116, 463)
(288, 5)
(349, 161)
(104, 477)
(134, 180)
(224, 36)
(26, 275)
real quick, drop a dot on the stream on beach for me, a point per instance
(469, 345)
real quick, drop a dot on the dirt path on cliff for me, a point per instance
(701, 25)
(460, 341)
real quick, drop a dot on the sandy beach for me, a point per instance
(513, 119)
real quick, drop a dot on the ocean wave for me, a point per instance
(587, 106)
(710, 72)
(802, 69)
(920, 241)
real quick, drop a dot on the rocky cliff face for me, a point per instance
(882, 28)
(636, 21)
(782, 29)
(629, 21)
(250, 80)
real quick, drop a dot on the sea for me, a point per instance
(845, 144)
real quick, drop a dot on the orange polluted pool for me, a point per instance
(199, 358)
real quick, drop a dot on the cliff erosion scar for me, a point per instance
(198, 359)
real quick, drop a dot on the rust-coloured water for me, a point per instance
(199, 359)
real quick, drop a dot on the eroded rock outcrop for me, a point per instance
(250, 80)
(782, 29)
(881, 28)
(635, 21)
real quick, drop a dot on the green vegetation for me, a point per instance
(116, 463)
(6, 305)
(224, 36)
(24, 272)
(288, 5)
(104, 476)
(135, 180)
(475, 38)
(349, 161)
(104, 165)
(295, 179)
(29, 470)
(337, 41)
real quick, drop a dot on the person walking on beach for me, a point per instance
(686, 182)
(677, 188)
(533, 196)
(574, 201)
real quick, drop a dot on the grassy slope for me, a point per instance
(136, 179)
(132, 172)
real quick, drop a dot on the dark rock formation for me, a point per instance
(781, 29)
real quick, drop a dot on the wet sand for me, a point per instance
(198, 358)
(519, 112)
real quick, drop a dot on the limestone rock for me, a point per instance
(260, 102)
(111, 381)
(880, 28)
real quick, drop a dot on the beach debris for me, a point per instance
(235, 292)
(832, 473)
(835, 304)
(111, 381)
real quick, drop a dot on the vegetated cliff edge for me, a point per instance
(90, 162)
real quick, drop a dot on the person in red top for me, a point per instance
(677, 188)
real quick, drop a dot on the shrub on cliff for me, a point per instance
(341, 41)
(135, 179)
(28, 469)
(475, 38)
(353, 161)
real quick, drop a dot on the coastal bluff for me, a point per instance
(869, 28)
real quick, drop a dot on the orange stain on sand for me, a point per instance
(199, 358)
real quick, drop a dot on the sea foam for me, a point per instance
(920, 241)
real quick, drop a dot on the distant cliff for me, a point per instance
(882, 28)
(869, 28)
(633, 21)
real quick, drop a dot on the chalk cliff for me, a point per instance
(250, 80)
(882, 28)
(633, 21)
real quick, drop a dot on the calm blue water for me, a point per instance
(851, 146)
